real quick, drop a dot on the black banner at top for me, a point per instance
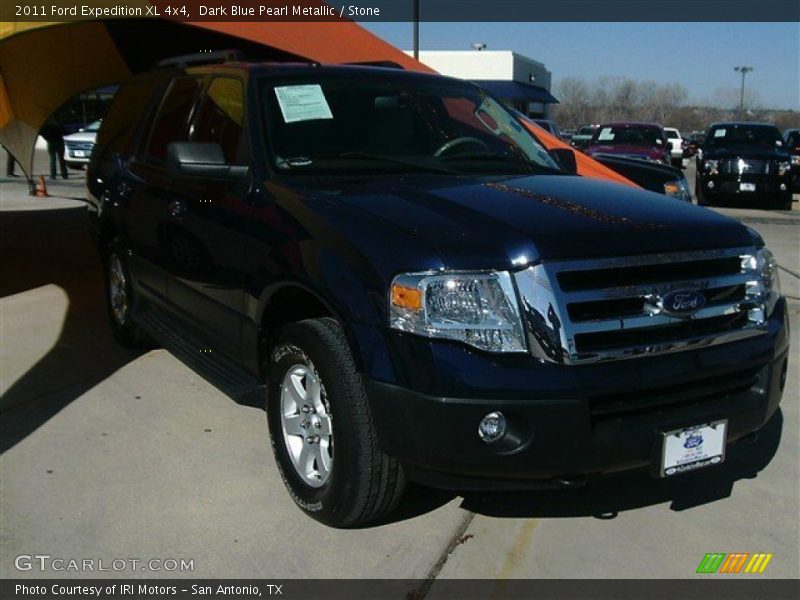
(405, 10)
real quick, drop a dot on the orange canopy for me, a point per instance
(42, 65)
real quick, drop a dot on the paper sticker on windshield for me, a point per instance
(302, 103)
(720, 132)
(605, 134)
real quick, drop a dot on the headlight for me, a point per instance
(712, 167)
(479, 309)
(796, 160)
(678, 189)
(784, 167)
(765, 288)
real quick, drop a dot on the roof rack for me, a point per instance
(202, 58)
(386, 64)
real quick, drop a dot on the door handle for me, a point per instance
(123, 192)
(177, 208)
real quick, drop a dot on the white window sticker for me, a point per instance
(605, 134)
(302, 103)
(720, 132)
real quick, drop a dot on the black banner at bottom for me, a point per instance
(713, 588)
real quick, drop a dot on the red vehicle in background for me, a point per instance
(644, 141)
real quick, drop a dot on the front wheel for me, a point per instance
(698, 192)
(321, 429)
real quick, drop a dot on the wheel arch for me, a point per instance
(290, 302)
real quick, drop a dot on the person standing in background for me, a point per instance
(10, 165)
(53, 133)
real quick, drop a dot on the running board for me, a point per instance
(212, 365)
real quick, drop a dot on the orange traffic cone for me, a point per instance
(41, 188)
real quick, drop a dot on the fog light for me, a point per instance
(711, 185)
(492, 427)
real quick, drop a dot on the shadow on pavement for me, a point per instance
(606, 499)
(52, 247)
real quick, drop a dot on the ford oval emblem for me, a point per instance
(682, 303)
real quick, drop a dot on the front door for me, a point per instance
(207, 222)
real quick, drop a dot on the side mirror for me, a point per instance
(200, 159)
(566, 158)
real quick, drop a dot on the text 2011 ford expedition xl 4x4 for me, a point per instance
(419, 290)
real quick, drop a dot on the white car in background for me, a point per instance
(674, 138)
(78, 146)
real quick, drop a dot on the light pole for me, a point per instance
(416, 29)
(744, 71)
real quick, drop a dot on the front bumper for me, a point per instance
(78, 155)
(577, 422)
(730, 187)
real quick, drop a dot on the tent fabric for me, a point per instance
(42, 65)
(517, 91)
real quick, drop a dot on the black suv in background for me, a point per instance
(417, 290)
(744, 163)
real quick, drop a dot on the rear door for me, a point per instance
(145, 193)
(207, 221)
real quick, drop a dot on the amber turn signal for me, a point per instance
(406, 297)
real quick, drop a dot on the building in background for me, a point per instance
(521, 82)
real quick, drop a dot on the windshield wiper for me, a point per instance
(499, 158)
(394, 159)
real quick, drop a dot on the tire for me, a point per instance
(698, 192)
(120, 298)
(355, 484)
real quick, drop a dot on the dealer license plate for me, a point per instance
(747, 187)
(80, 153)
(693, 448)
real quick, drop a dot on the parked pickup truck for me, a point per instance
(416, 289)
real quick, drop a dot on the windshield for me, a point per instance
(672, 134)
(94, 126)
(744, 135)
(587, 131)
(632, 135)
(344, 124)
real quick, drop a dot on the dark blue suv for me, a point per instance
(418, 290)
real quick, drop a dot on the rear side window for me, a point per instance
(220, 118)
(169, 124)
(124, 113)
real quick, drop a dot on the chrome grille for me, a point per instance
(740, 166)
(85, 146)
(611, 309)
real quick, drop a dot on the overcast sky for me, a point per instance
(701, 56)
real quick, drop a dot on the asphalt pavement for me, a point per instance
(113, 454)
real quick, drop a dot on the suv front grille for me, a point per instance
(608, 309)
(741, 166)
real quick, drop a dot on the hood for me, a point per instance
(751, 152)
(628, 150)
(508, 222)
